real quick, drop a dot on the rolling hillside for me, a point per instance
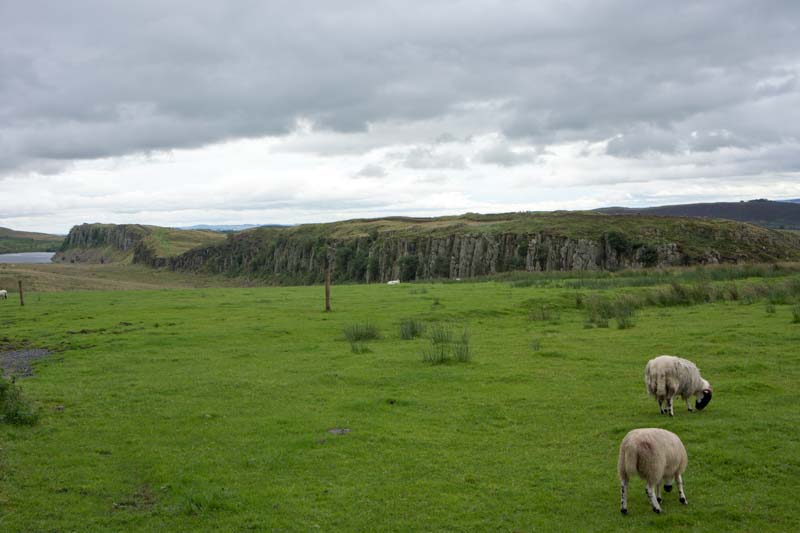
(12, 241)
(766, 213)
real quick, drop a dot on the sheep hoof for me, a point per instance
(623, 511)
(684, 502)
(658, 499)
(667, 488)
(656, 510)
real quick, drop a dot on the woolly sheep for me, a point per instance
(667, 376)
(3, 294)
(657, 456)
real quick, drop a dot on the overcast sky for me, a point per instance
(180, 113)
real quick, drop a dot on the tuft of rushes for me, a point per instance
(411, 329)
(441, 334)
(361, 332)
(461, 349)
(445, 347)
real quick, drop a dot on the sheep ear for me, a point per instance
(701, 403)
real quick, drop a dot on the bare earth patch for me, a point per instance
(18, 362)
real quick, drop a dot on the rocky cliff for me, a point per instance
(134, 243)
(474, 245)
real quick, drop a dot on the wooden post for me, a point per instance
(21, 297)
(327, 289)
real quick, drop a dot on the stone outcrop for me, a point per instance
(459, 255)
(463, 247)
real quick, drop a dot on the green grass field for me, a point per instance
(190, 409)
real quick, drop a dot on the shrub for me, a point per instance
(411, 329)
(361, 332)
(408, 267)
(624, 312)
(578, 300)
(598, 310)
(15, 408)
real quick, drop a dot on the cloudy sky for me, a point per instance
(186, 112)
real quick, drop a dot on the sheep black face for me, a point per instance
(704, 400)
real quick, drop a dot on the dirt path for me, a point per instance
(18, 362)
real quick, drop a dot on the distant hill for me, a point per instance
(793, 200)
(767, 213)
(230, 227)
(137, 243)
(12, 241)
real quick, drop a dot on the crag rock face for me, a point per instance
(453, 256)
(96, 243)
(468, 246)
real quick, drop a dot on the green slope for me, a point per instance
(12, 241)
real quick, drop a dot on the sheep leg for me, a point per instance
(658, 492)
(661, 406)
(689, 404)
(669, 407)
(651, 495)
(682, 496)
(624, 494)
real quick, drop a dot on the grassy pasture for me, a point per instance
(187, 409)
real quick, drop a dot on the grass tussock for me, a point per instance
(445, 346)
(796, 314)
(15, 408)
(541, 312)
(649, 277)
(411, 329)
(601, 308)
(359, 347)
(365, 331)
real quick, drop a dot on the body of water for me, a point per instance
(27, 257)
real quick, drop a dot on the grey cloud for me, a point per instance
(502, 155)
(641, 140)
(89, 79)
(426, 157)
(372, 171)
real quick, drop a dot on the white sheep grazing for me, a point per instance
(657, 456)
(666, 376)
(4, 294)
(393, 282)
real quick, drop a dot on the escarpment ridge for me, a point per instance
(378, 250)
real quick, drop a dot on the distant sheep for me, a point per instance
(667, 376)
(393, 282)
(657, 456)
(3, 294)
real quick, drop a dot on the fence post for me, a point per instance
(21, 297)
(327, 289)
